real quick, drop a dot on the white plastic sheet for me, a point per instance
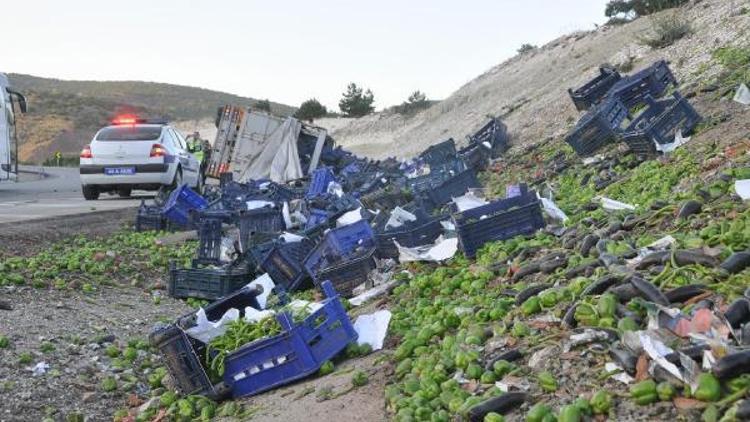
(468, 201)
(267, 285)
(350, 217)
(612, 205)
(442, 249)
(742, 95)
(399, 217)
(678, 141)
(372, 328)
(742, 187)
(552, 210)
(371, 293)
(256, 204)
(205, 330)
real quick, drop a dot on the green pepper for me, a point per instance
(606, 305)
(606, 322)
(538, 412)
(644, 392)
(494, 417)
(601, 402)
(586, 314)
(501, 368)
(583, 405)
(547, 382)
(569, 413)
(740, 383)
(627, 324)
(708, 389)
(548, 298)
(665, 391)
(531, 306)
(520, 329)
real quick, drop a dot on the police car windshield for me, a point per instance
(129, 133)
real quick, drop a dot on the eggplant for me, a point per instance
(684, 293)
(738, 312)
(569, 319)
(588, 243)
(624, 292)
(581, 269)
(626, 359)
(743, 410)
(548, 266)
(732, 365)
(600, 286)
(531, 291)
(509, 355)
(737, 262)
(689, 208)
(500, 404)
(528, 269)
(685, 257)
(649, 291)
(654, 258)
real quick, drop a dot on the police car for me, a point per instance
(136, 153)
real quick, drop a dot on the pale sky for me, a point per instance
(287, 51)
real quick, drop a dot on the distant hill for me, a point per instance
(64, 115)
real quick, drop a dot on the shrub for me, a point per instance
(310, 109)
(525, 48)
(263, 105)
(416, 101)
(355, 102)
(736, 63)
(667, 30)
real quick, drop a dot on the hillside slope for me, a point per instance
(530, 90)
(63, 115)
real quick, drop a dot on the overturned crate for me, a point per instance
(593, 91)
(599, 127)
(436, 155)
(261, 365)
(284, 263)
(443, 192)
(494, 134)
(182, 202)
(207, 283)
(498, 220)
(412, 234)
(652, 81)
(659, 123)
(184, 356)
(345, 256)
(149, 217)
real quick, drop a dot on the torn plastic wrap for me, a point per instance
(612, 205)
(468, 201)
(742, 95)
(442, 250)
(678, 141)
(372, 328)
(399, 217)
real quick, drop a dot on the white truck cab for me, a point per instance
(10, 102)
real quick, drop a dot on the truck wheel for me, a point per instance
(124, 192)
(90, 193)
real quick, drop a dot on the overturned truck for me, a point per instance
(256, 145)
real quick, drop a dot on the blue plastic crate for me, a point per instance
(410, 235)
(296, 353)
(476, 156)
(455, 186)
(495, 133)
(183, 354)
(209, 230)
(316, 217)
(207, 283)
(349, 273)
(319, 182)
(599, 127)
(659, 123)
(225, 179)
(338, 245)
(284, 264)
(499, 220)
(181, 202)
(149, 217)
(652, 81)
(438, 174)
(259, 220)
(436, 155)
(593, 91)
(385, 199)
(285, 193)
(260, 246)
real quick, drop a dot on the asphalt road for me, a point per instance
(55, 194)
